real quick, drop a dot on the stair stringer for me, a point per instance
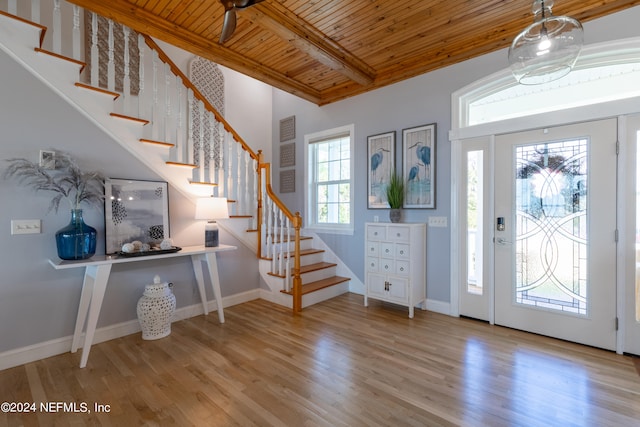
(61, 75)
(238, 228)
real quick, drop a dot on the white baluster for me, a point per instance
(95, 54)
(141, 93)
(201, 114)
(247, 206)
(35, 10)
(12, 7)
(57, 27)
(154, 105)
(167, 99)
(270, 229)
(229, 188)
(111, 65)
(212, 152)
(220, 178)
(126, 80)
(254, 220)
(75, 35)
(238, 188)
(282, 245)
(274, 251)
(191, 114)
(179, 125)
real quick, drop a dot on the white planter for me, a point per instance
(155, 310)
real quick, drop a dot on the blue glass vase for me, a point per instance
(77, 240)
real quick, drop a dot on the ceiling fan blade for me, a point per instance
(228, 26)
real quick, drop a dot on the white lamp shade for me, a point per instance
(210, 208)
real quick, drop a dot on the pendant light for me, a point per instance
(547, 49)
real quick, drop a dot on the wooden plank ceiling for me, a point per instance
(328, 50)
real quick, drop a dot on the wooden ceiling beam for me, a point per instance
(277, 19)
(145, 22)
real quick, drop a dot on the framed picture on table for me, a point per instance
(135, 211)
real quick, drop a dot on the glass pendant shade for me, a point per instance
(547, 49)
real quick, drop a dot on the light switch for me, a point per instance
(26, 226)
(437, 221)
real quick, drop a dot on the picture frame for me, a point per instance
(381, 151)
(135, 210)
(419, 166)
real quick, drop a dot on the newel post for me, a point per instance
(260, 202)
(297, 280)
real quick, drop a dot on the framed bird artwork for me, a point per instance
(419, 166)
(381, 150)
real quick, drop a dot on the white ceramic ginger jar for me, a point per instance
(155, 310)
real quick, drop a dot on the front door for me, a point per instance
(555, 225)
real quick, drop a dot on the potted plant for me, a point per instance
(67, 181)
(395, 196)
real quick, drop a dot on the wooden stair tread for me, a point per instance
(115, 95)
(188, 165)
(277, 238)
(308, 268)
(320, 284)
(315, 267)
(133, 119)
(65, 58)
(154, 142)
(303, 252)
(42, 28)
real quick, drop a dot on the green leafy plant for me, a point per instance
(67, 180)
(395, 191)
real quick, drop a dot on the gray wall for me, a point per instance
(38, 303)
(422, 100)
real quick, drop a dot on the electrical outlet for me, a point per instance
(437, 221)
(25, 226)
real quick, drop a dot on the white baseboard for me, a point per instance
(31, 353)
(439, 307)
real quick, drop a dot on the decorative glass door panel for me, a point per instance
(555, 227)
(475, 230)
(551, 225)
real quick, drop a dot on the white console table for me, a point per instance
(96, 277)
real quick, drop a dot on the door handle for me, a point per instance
(502, 241)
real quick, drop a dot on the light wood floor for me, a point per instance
(339, 364)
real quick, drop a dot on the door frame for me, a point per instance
(619, 110)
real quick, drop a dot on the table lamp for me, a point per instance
(211, 209)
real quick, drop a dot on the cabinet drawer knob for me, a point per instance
(401, 268)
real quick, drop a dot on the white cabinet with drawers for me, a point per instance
(395, 258)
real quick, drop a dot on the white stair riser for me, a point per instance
(324, 294)
(314, 276)
(311, 259)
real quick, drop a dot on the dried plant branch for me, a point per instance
(67, 180)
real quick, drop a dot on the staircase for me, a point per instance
(173, 129)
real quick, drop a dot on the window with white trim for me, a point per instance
(329, 195)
